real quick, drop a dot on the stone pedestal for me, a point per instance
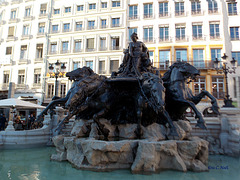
(10, 126)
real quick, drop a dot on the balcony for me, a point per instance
(180, 13)
(148, 16)
(28, 18)
(52, 52)
(232, 13)
(116, 25)
(213, 11)
(4, 86)
(219, 95)
(115, 48)
(149, 40)
(66, 30)
(12, 38)
(37, 85)
(196, 13)
(40, 34)
(90, 49)
(22, 61)
(78, 28)
(26, 36)
(134, 17)
(103, 49)
(54, 31)
(164, 14)
(181, 38)
(204, 64)
(235, 38)
(16, 1)
(91, 27)
(162, 65)
(13, 20)
(103, 26)
(77, 50)
(198, 37)
(21, 86)
(165, 39)
(43, 15)
(215, 37)
(4, 3)
(38, 60)
(64, 51)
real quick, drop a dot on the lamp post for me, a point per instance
(224, 68)
(59, 72)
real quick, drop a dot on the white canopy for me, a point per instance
(17, 103)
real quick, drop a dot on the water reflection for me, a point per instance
(35, 164)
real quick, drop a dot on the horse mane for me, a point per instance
(166, 76)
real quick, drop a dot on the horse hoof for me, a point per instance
(201, 125)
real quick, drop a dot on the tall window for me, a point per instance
(148, 34)
(56, 11)
(212, 6)
(163, 9)
(148, 11)
(103, 43)
(92, 6)
(23, 52)
(79, 26)
(89, 64)
(234, 33)
(27, 12)
(50, 90)
(41, 28)
(63, 90)
(179, 8)
(53, 47)
(214, 30)
(181, 55)
(13, 14)
(101, 67)
(91, 25)
(198, 60)
(115, 22)
(66, 27)
(8, 50)
(6, 76)
(218, 87)
(11, 31)
(43, 9)
(236, 56)
(104, 5)
(76, 65)
(26, 29)
(114, 64)
(103, 23)
(216, 53)
(80, 8)
(67, 9)
(37, 76)
(39, 51)
(199, 85)
(90, 44)
(54, 28)
(232, 9)
(115, 3)
(164, 33)
(21, 76)
(164, 59)
(115, 43)
(130, 31)
(180, 32)
(197, 31)
(78, 45)
(65, 46)
(196, 7)
(133, 12)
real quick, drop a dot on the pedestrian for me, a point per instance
(2, 122)
(31, 120)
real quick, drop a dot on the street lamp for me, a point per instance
(223, 68)
(59, 72)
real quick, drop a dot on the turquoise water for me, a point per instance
(35, 164)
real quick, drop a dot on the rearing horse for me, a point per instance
(179, 96)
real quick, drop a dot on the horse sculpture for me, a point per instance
(179, 97)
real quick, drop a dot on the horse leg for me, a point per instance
(173, 131)
(140, 104)
(101, 128)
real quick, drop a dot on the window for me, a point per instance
(180, 32)
(41, 28)
(43, 9)
(8, 50)
(56, 11)
(92, 6)
(199, 85)
(151, 56)
(53, 47)
(39, 51)
(198, 60)
(164, 59)
(214, 30)
(76, 65)
(236, 56)
(103, 23)
(91, 25)
(148, 11)
(115, 3)
(13, 14)
(21, 76)
(181, 55)
(114, 64)
(197, 31)
(90, 44)
(232, 9)
(63, 90)
(164, 33)
(26, 30)
(37, 76)
(234, 33)
(216, 53)
(66, 27)
(104, 4)
(67, 9)
(11, 31)
(148, 34)
(65, 46)
(163, 9)
(196, 8)
(115, 22)
(212, 7)
(23, 52)
(80, 8)
(27, 12)
(218, 87)
(79, 26)
(6, 76)
(179, 8)
(54, 28)
(101, 67)
(89, 64)
(103, 44)
(115, 43)
(130, 32)
(77, 45)
(133, 12)
(50, 90)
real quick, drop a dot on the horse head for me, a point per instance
(79, 73)
(154, 90)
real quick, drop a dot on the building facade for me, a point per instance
(34, 35)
